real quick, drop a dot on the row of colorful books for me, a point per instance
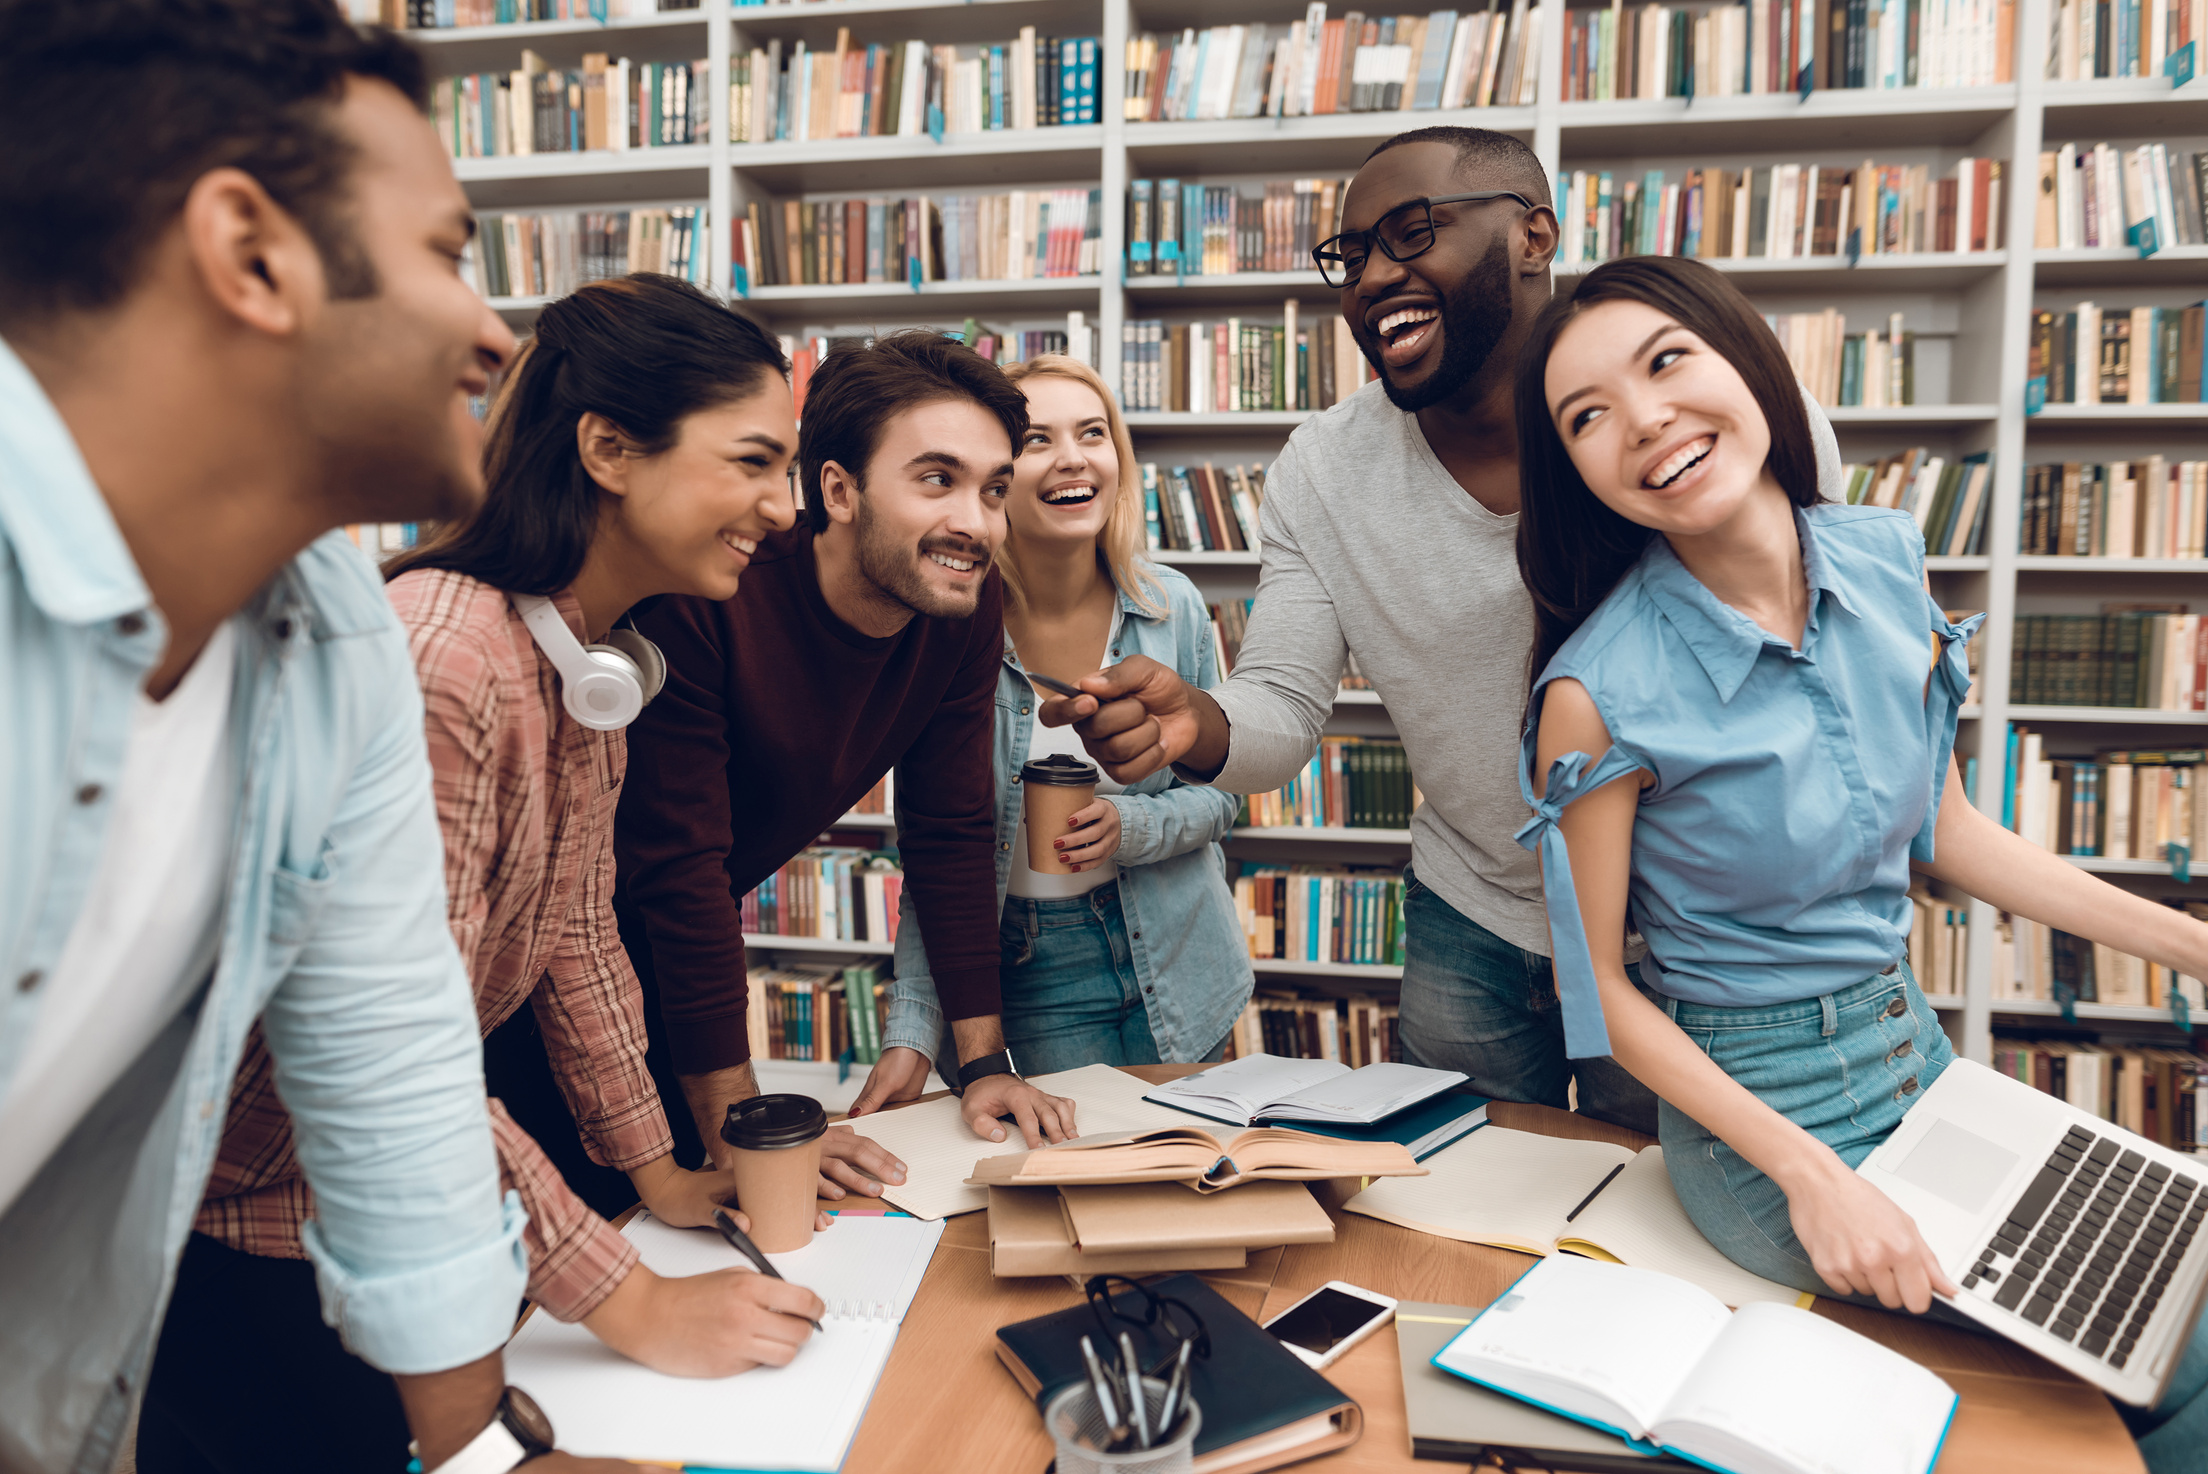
(807, 353)
(910, 88)
(1939, 943)
(2119, 355)
(552, 252)
(2127, 804)
(1201, 509)
(2120, 509)
(1840, 368)
(1350, 783)
(836, 892)
(817, 1013)
(1355, 64)
(437, 15)
(604, 104)
(2099, 195)
(1177, 228)
(2119, 38)
(1758, 46)
(1018, 235)
(2160, 1093)
(381, 539)
(1305, 913)
(1783, 211)
(1356, 1031)
(1240, 364)
(1949, 498)
(2036, 961)
(2139, 657)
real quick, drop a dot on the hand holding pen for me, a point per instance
(742, 1244)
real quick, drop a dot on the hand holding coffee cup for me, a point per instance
(775, 1156)
(1055, 788)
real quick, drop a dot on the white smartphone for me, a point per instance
(1328, 1321)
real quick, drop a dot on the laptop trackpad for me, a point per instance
(1957, 1165)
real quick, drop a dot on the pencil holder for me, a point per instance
(1078, 1434)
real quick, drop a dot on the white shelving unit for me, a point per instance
(1981, 303)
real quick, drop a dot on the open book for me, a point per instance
(1266, 1087)
(1767, 1390)
(1196, 1157)
(1549, 1195)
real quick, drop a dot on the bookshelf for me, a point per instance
(1978, 305)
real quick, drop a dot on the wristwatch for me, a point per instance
(999, 1063)
(519, 1433)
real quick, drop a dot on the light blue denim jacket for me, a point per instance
(333, 937)
(1185, 940)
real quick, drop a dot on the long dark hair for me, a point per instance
(645, 351)
(1572, 549)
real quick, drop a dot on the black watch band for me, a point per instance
(999, 1063)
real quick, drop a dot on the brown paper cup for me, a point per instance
(777, 1190)
(1049, 806)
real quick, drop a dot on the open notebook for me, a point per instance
(798, 1418)
(939, 1149)
(1548, 1195)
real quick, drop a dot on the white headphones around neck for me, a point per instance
(605, 687)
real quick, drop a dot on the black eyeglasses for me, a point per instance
(1107, 1294)
(1404, 232)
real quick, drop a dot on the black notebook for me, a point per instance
(1261, 1407)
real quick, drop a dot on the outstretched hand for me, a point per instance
(1861, 1242)
(1138, 716)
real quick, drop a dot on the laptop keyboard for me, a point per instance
(2089, 1248)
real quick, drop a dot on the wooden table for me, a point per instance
(946, 1404)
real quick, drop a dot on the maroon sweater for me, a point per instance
(777, 716)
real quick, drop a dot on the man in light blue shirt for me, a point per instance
(231, 318)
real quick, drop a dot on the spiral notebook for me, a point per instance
(799, 1418)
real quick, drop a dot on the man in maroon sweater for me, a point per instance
(866, 639)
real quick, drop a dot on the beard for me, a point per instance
(893, 567)
(1474, 316)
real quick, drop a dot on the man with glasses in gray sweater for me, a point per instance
(1389, 533)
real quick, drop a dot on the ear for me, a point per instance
(1538, 237)
(605, 452)
(839, 492)
(253, 257)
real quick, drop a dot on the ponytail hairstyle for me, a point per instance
(1120, 547)
(1573, 549)
(644, 351)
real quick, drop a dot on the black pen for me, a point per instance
(743, 1245)
(1052, 683)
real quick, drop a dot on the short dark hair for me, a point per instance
(1572, 549)
(645, 351)
(112, 109)
(855, 392)
(1507, 160)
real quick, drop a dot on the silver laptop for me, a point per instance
(2069, 1235)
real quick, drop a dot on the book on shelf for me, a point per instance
(2157, 1092)
(1355, 1031)
(379, 540)
(1848, 370)
(1621, 51)
(818, 1013)
(606, 104)
(1078, 340)
(880, 799)
(2118, 509)
(2119, 355)
(1015, 235)
(2133, 658)
(1311, 913)
(1179, 227)
(552, 252)
(2119, 804)
(2032, 960)
(1349, 783)
(1948, 499)
(1241, 364)
(427, 15)
(2118, 38)
(1939, 940)
(832, 892)
(1783, 211)
(1201, 509)
(910, 88)
(2096, 196)
(1353, 63)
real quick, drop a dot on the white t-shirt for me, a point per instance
(151, 923)
(1043, 742)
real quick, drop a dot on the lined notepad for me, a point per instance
(799, 1418)
(939, 1149)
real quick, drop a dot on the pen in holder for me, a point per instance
(1080, 1433)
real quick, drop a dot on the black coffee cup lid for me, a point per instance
(1060, 770)
(768, 1123)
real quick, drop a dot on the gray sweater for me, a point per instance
(1371, 546)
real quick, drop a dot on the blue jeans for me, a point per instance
(1474, 1002)
(1846, 1068)
(1071, 995)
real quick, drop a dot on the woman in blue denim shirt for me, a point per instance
(1771, 679)
(1138, 957)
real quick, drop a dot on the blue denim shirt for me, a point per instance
(333, 937)
(1185, 939)
(1793, 787)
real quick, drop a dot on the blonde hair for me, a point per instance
(1122, 547)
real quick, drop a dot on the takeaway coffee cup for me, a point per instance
(1056, 786)
(777, 1165)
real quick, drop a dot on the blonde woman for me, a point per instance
(1137, 957)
